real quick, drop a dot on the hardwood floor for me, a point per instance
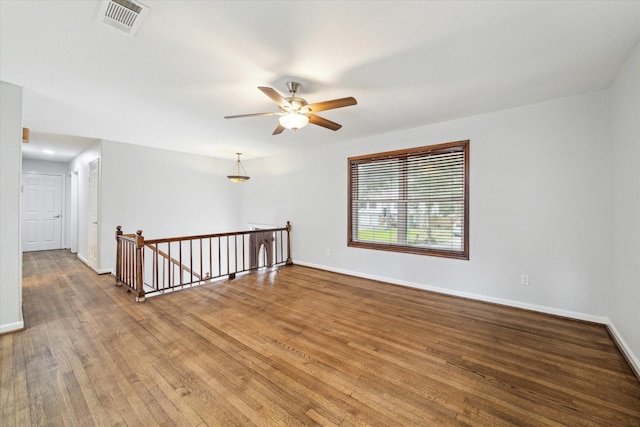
(298, 346)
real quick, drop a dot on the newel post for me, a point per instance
(118, 256)
(139, 282)
(289, 260)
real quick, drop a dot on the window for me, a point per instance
(414, 200)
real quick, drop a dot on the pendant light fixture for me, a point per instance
(238, 174)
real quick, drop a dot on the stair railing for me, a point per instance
(148, 267)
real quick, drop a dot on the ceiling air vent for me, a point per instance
(125, 15)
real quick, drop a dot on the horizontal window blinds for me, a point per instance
(414, 199)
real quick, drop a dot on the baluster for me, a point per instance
(210, 259)
(228, 264)
(243, 250)
(170, 269)
(164, 273)
(201, 275)
(180, 261)
(156, 267)
(190, 261)
(132, 265)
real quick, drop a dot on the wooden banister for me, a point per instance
(196, 259)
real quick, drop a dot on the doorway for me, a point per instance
(41, 209)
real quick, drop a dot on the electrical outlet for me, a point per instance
(524, 280)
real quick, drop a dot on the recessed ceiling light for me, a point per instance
(48, 152)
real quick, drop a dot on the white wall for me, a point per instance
(164, 193)
(10, 177)
(624, 287)
(538, 206)
(43, 166)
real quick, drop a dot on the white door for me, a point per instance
(41, 212)
(93, 240)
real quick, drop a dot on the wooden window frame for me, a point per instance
(403, 246)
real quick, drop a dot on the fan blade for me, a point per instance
(329, 105)
(250, 115)
(278, 130)
(321, 121)
(275, 96)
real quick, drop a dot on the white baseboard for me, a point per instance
(633, 360)
(11, 327)
(511, 303)
(99, 271)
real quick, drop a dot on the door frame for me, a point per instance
(74, 210)
(94, 193)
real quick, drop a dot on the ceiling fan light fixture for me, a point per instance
(295, 113)
(294, 121)
(238, 174)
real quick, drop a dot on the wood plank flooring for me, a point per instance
(298, 346)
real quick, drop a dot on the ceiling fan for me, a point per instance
(295, 113)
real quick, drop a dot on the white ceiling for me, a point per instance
(193, 62)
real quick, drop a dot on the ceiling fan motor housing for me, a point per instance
(296, 103)
(293, 87)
